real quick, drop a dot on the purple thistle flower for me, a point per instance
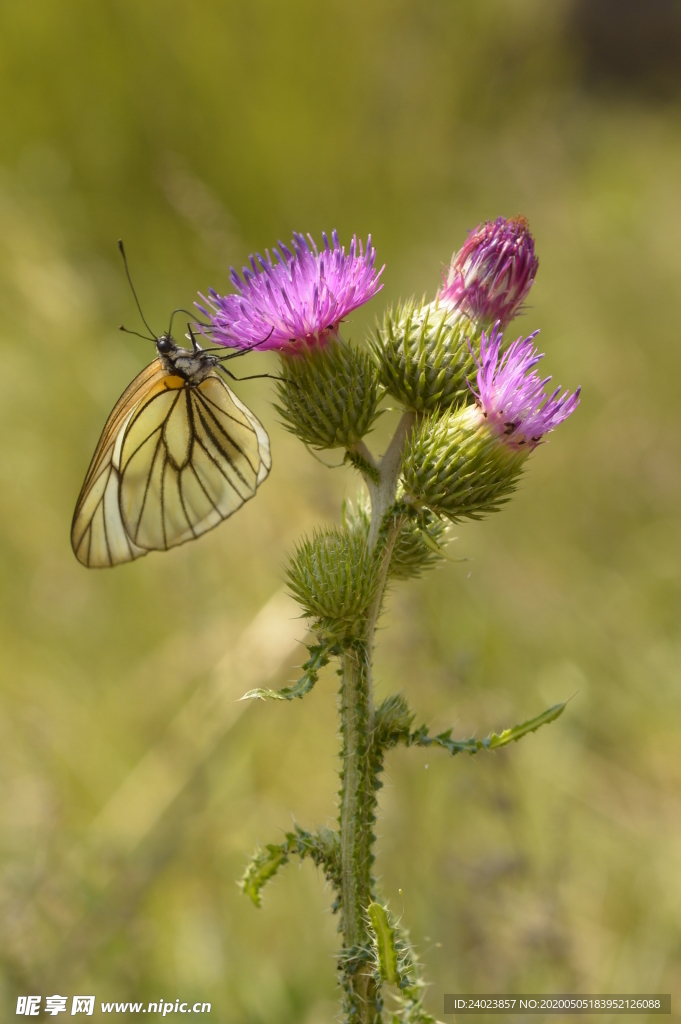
(298, 300)
(489, 278)
(511, 393)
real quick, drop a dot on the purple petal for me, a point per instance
(510, 391)
(298, 299)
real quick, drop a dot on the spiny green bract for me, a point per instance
(328, 395)
(457, 467)
(335, 577)
(424, 356)
(411, 554)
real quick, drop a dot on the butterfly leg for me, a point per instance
(195, 344)
(253, 376)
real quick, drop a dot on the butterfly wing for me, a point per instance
(173, 461)
(190, 457)
(98, 536)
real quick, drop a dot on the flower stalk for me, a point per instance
(357, 816)
(360, 771)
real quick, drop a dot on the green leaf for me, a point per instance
(518, 731)
(322, 847)
(420, 737)
(409, 982)
(385, 942)
(320, 655)
(264, 866)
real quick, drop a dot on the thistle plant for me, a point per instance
(473, 409)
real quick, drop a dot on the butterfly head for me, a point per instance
(165, 345)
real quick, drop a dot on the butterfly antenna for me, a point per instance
(136, 333)
(127, 272)
(181, 309)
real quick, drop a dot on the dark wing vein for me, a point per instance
(162, 496)
(219, 468)
(160, 426)
(184, 507)
(208, 497)
(147, 483)
(221, 448)
(244, 426)
(209, 401)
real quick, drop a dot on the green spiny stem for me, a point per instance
(356, 820)
(358, 797)
(360, 765)
(391, 535)
(382, 494)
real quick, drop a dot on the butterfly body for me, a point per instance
(179, 454)
(193, 365)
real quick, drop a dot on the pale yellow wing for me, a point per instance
(189, 457)
(98, 536)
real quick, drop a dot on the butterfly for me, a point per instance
(178, 454)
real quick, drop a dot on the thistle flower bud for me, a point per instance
(328, 396)
(511, 393)
(334, 576)
(394, 719)
(424, 355)
(490, 277)
(457, 467)
(466, 464)
(411, 555)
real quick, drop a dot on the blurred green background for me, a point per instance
(200, 132)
